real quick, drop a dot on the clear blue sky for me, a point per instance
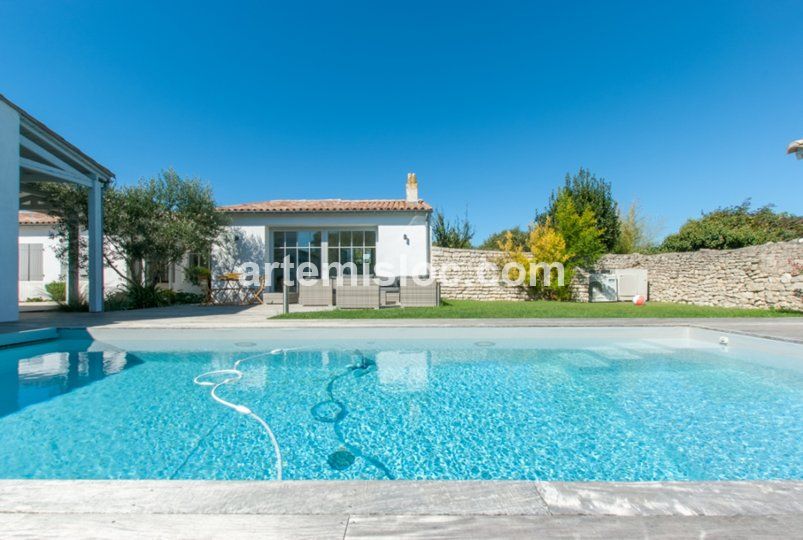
(684, 106)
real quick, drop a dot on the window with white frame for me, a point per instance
(358, 247)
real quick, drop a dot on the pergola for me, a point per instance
(32, 153)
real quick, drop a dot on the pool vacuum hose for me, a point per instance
(234, 375)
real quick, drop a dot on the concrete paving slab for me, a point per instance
(266, 497)
(673, 498)
(488, 527)
(185, 526)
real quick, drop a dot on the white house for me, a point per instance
(385, 238)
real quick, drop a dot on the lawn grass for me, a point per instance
(473, 309)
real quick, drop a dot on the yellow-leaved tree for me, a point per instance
(548, 247)
(513, 253)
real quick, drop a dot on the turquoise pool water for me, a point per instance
(478, 407)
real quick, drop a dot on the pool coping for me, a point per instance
(403, 497)
(789, 331)
(758, 328)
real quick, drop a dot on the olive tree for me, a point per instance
(156, 222)
(153, 223)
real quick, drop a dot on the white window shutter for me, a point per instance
(36, 269)
(23, 263)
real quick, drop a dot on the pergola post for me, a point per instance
(95, 231)
(9, 211)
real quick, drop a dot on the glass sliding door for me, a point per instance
(323, 247)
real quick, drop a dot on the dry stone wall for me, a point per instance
(766, 276)
(457, 272)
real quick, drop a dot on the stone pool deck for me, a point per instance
(374, 509)
(783, 328)
(393, 509)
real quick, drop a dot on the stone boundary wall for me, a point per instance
(457, 272)
(765, 276)
(770, 275)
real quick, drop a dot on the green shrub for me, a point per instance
(735, 227)
(144, 296)
(181, 297)
(57, 291)
(116, 300)
(198, 275)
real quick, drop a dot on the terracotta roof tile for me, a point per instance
(329, 205)
(28, 217)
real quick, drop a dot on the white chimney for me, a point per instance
(412, 188)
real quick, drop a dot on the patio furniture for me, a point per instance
(413, 294)
(319, 293)
(253, 294)
(389, 295)
(277, 297)
(356, 296)
(227, 289)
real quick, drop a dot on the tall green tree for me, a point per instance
(734, 227)
(518, 238)
(451, 234)
(590, 192)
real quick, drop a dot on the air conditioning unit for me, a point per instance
(631, 282)
(602, 287)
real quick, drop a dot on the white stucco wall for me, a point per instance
(52, 266)
(402, 238)
(9, 207)
(243, 242)
(402, 249)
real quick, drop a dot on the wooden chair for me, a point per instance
(253, 295)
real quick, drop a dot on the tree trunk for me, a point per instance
(135, 269)
(73, 266)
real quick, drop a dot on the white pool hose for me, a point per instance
(234, 375)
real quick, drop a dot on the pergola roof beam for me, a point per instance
(101, 172)
(27, 143)
(56, 173)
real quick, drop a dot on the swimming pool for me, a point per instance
(567, 404)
